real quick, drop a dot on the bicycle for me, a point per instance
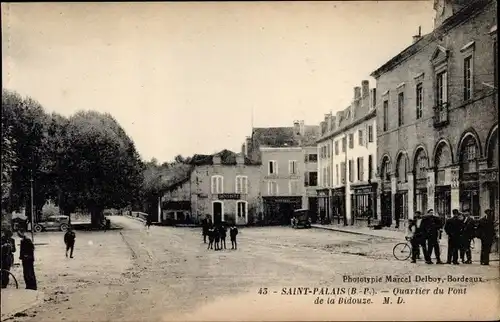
(11, 276)
(402, 251)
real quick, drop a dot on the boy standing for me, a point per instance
(233, 232)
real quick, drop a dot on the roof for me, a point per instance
(275, 136)
(311, 135)
(461, 16)
(227, 158)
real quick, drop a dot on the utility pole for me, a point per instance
(32, 210)
(159, 201)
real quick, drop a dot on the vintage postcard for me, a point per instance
(250, 161)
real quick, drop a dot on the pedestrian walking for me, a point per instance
(486, 233)
(27, 257)
(417, 238)
(233, 232)
(432, 226)
(453, 229)
(6, 259)
(223, 234)
(148, 221)
(69, 241)
(468, 233)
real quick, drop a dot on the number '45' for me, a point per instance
(263, 290)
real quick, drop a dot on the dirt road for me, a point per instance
(166, 273)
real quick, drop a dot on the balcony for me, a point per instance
(440, 117)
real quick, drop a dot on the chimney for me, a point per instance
(365, 88)
(296, 128)
(216, 159)
(357, 92)
(248, 145)
(240, 159)
(419, 36)
(302, 127)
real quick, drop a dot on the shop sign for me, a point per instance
(233, 196)
(363, 191)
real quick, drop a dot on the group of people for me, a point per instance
(26, 256)
(426, 230)
(217, 234)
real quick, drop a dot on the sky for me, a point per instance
(186, 77)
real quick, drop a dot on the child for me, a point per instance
(211, 236)
(233, 231)
(223, 233)
(217, 238)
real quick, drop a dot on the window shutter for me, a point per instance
(213, 184)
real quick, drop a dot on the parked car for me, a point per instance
(301, 218)
(53, 223)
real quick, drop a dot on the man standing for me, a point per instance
(69, 240)
(6, 260)
(468, 233)
(148, 221)
(27, 257)
(205, 227)
(233, 232)
(453, 229)
(432, 225)
(418, 238)
(486, 232)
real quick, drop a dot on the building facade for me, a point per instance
(224, 186)
(310, 170)
(282, 152)
(347, 161)
(440, 151)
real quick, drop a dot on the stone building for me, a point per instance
(282, 152)
(440, 150)
(347, 161)
(224, 186)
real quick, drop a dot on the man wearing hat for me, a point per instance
(486, 232)
(27, 257)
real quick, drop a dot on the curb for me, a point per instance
(352, 232)
(39, 300)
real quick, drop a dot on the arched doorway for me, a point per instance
(401, 197)
(420, 166)
(386, 196)
(469, 154)
(492, 173)
(442, 197)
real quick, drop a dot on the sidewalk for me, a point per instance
(397, 235)
(15, 301)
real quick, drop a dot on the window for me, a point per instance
(360, 169)
(351, 172)
(370, 166)
(442, 88)
(272, 188)
(292, 167)
(313, 178)
(241, 184)
(495, 62)
(360, 137)
(344, 143)
(273, 167)
(293, 187)
(217, 184)
(467, 78)
(374, 98)
(401, 103)
(337, 173)
(329, 175)
(242, 207)
(336, 147)
(469, 157)
(312, 157)
(386, 115)
(351, 140)
(370, 133)
(342, 172)
(328, 151)
(420, 98)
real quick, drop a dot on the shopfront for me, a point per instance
(363, 204)
(338, 205)
(279, 210)
(323, 204)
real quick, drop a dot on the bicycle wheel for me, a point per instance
(12, 281)
(401, 251)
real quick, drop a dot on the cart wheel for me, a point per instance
(401, 251)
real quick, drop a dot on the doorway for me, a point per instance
(386, 209)
(313, 209)
(217, 211)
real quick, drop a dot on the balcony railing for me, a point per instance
(441, 115)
